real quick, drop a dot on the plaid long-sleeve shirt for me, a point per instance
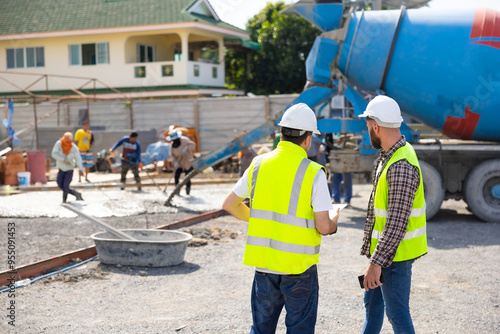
(402, 180)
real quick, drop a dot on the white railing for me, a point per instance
(166, 73)
(204, 74)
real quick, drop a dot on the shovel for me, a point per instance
(100, 223)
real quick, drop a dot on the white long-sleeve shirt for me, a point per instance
(73, 157)
(183, 154)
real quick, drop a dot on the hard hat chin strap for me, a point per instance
(292, 132)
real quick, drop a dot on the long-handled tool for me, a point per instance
(179, 186)
(173, 173)
(168, 182)
(154, 182)
(100, 223)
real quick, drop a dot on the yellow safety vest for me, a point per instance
(414, 243)
(282, 235)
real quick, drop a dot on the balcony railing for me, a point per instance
(179, 73)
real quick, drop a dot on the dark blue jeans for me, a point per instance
(335, 183)
(299, 295)
(394, 295)
(64, 179)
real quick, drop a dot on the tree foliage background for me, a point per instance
(279, 66)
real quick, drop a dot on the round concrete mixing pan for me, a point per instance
(153, 248)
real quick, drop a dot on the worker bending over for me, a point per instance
(181, 152)
(288, 213)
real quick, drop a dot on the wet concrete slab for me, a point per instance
(111, 202)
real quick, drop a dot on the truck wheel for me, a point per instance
(433, 189)
(482, 190)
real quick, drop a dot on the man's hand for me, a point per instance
(372, 277)
(140, 165)
(324, 224)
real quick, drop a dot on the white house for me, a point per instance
(145, 48)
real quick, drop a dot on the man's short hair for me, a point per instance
(293, 135)
(134, 135)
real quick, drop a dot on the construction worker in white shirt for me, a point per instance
(287, 214)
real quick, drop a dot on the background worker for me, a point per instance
(181, 152)
(85, 140)
(337, 178)
(67, 156)
(246, 157)
(131, 158)
(395, 230)
(288, 213)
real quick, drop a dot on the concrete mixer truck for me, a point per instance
(442, 67)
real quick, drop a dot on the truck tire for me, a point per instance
(433, 189)
(482, 190)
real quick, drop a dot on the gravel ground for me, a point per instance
(455, 286)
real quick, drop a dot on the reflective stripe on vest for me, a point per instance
(283, 246)
(283, 219)
(414, 243)
(414, 212)
(285, 241)
(409, 235)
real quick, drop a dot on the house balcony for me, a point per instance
(175, 73)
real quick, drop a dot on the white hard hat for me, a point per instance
(300, 117)
(173, 135)
(385, 111)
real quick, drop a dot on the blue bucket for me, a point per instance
(24, 178)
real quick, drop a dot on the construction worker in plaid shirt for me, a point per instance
(395, 230)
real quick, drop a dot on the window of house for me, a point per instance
(210, 55)
(146, 53)
(177, 55)
(25, 57)
(89, 54)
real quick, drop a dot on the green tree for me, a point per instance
(279, 66)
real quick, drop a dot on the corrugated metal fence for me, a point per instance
(218, 120)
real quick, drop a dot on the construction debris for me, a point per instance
(202, 235)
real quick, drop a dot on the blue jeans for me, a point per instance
(299, 295)
(64, 179)
(336, 180)
(394, 294)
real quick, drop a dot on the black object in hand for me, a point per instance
(361, 279)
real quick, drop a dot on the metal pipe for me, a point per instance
(88, 111)
(36, 122)
(131, 107)
(30, 85)
(30, 125)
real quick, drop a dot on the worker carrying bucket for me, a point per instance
(181, 152)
